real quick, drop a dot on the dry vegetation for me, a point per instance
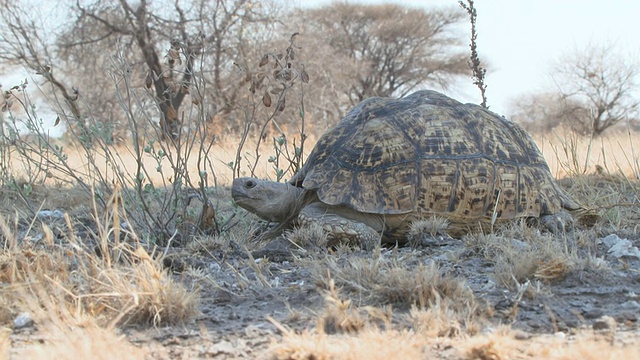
(126, 243)
(388, 304)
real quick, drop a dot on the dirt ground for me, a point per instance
(246, 303)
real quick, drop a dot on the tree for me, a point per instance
(542, 112)
(603, 82)
(168, 38)
(163, 45)
(26, 43)
(392, 49)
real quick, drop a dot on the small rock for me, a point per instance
(610, 240)
(520, 245)
(521, 335)
(592, 313)
(220, 348)
(560, 335)
(605, 323)
(620, 247)
(628, 316)
(630, 305)
(225, 349)
(50, 214)
(254, 331)
(23, 320)
(624, 248)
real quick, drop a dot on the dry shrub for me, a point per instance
(504, 344)
(586, 349)
(339, 316)
(603, 174)
(523, 254)
(145, 291)
(441, 305)
(390, 279)
(442, 319)
(369, 344)
(123, 284)
(614, 198)
(498, 345)
(346, 331)
(70, 333)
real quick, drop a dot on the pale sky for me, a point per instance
(520, 39)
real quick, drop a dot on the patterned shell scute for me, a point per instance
(431, 154)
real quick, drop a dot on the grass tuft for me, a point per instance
(424, 231)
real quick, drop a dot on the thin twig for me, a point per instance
(474, 62)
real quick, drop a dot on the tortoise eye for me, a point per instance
(250, 184)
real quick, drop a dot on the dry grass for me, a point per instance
(80, 289)
(77, 291)
(369, 340)
(311, 237)
(68, 335)
(440, 304)
(222, 154)
(523, 255)
(135, 289)
(89, 296)
(347, 331)
(424, 231)
(369, 344)
(390, 278)
(382, 305)
(614, 198)
(507, 344)
(569, 154)
(566, 153)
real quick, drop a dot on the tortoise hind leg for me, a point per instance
(558, 223)
(339, 228)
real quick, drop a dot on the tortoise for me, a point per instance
(391, 162)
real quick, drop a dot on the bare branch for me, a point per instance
(474, 63)
(392, 50)
(603, 81)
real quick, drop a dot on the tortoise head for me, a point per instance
(269, 200)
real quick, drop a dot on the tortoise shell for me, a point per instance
(429, 154)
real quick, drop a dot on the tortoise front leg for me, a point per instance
(341, 229)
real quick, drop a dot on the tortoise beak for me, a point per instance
(241, 188)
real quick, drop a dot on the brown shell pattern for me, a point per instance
(430, 154)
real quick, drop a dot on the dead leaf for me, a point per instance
(304, 77)
(266, 99)
(264, 61)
